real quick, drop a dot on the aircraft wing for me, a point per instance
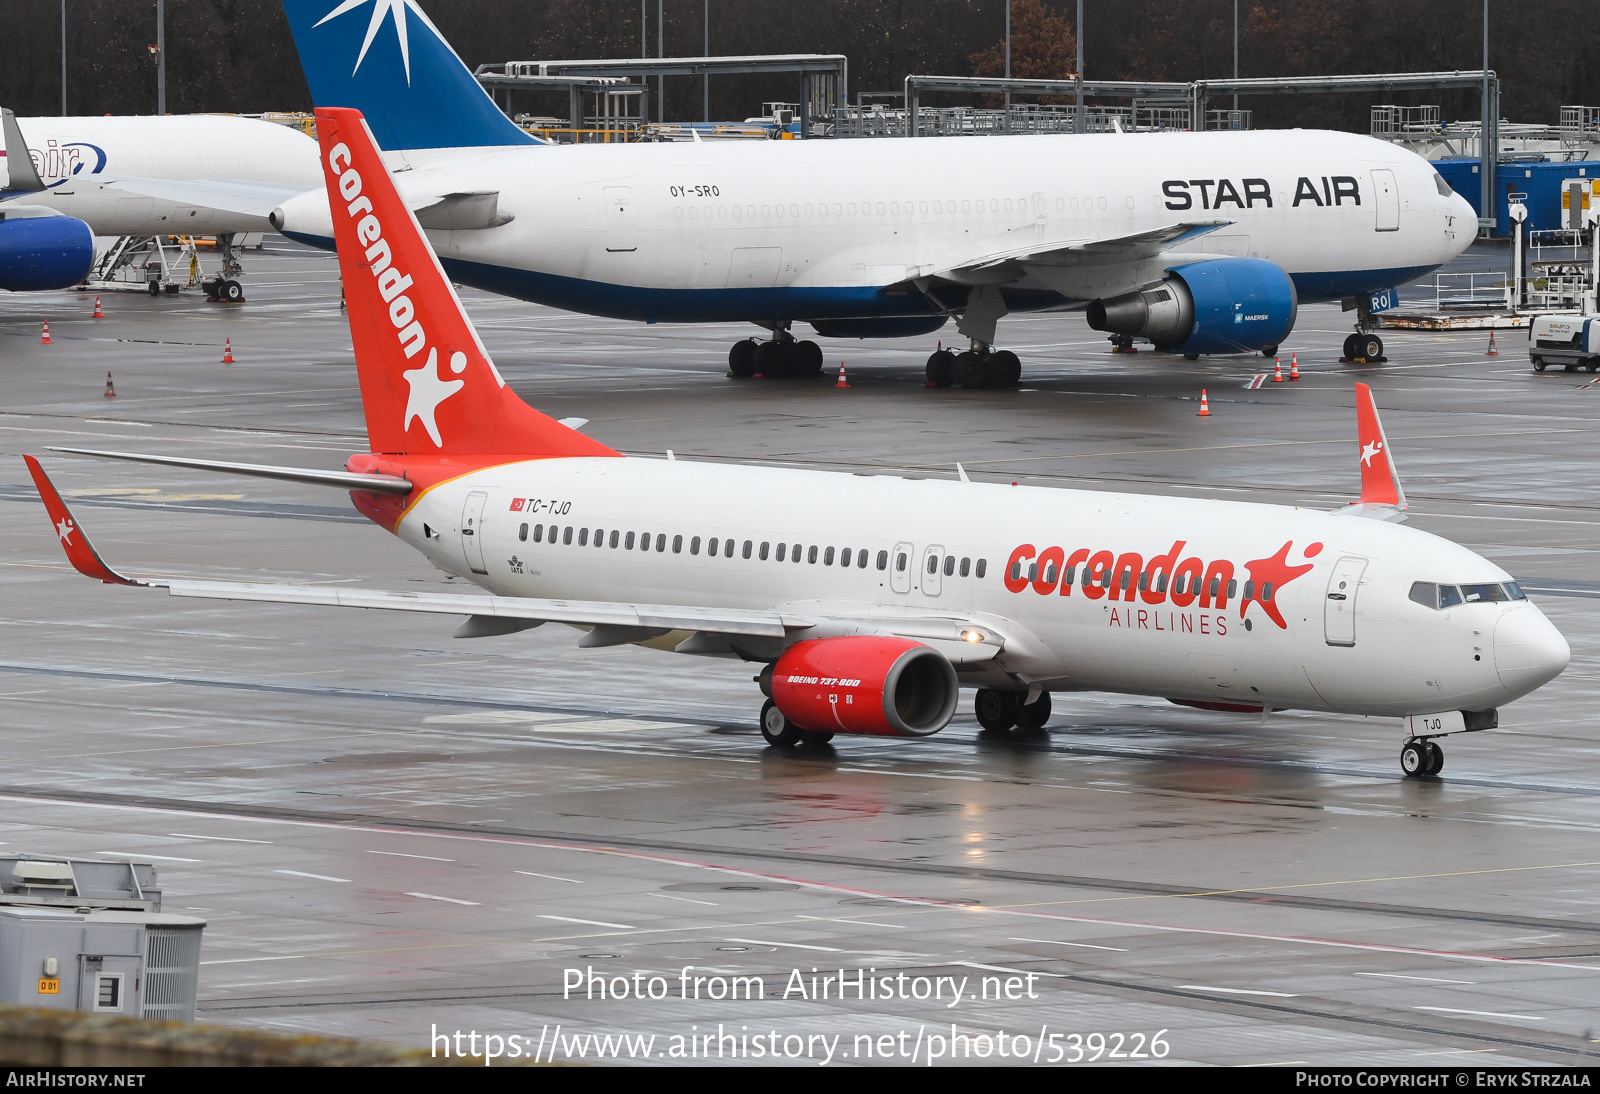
(1137, 245)
(243, 196)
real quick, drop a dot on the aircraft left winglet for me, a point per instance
(1382, 496)
(74, 540)
(21, 178)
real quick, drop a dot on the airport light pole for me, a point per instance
(63, 58)
(661, 51)
(1008, 64)
(161, 57)
(1077, 29)
(705, 93)
(1233, 122)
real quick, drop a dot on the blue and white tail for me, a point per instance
(386, 59)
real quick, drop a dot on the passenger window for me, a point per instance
(1266, 593)
(1070, 575)
(566, 537)
(983, 564)
(1161, 584)
(583, 537)
(883, 560)
(694, 545)
(746, 551)
(727, 548)
(933, 564)
(599, 537)
(1425, 593)
(1033, 571)
(627, 544)
(522, 533)
(677, 545)
(613, 539)
(1249, 589)
(661, 542)
(1449, 596)
(949, 565)
(644, 541)
(861, 559)
(900, 563)
(538, 533)
(844, 556)
(1144, 583)
(1216, 584)
(1233, 589)
(783, 551)
(812, 554)
(1016, 571)
(966, 566)
(711, 547)
(763, 552)
(827, 557)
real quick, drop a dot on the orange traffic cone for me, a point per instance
(44, 339)
(1492, 351)
(98, 314)
(227, 351)
(1277, 370)
(1205, 407)
(111, 392)
(1294, 367)
(841, 382)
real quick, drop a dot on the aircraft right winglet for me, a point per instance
(74, 540)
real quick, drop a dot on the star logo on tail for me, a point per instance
(1368, 451)
(64, 530)
(381, 8)
(428, 390)
(1268, 576)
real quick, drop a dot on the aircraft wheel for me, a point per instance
(940, 363)
(1592, 365)
(1435, 759)
(806, 358)
(1002, 370)
(1413, 759)
(1031, 717)
(1369, 346)
(1538, 364)
(1350, 346)
(1269, 351)
(996, 710)
(771, 359)
(967, 370)
(742, 359)
(816, 738)
(776, 728)
(232, 291)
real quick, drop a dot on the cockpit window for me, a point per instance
(1443, 186)
(1430, 595)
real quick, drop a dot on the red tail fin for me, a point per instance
(1380, 483)
(427, 384)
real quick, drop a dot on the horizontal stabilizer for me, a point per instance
(344, 480)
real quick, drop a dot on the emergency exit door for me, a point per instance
(472, 531)
(1339, 610)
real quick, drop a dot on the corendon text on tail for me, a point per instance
(867, 603)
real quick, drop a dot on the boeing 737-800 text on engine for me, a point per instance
(1196, 242)
(869, 601)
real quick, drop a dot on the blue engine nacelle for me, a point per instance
(42, 249)
(1225, 305)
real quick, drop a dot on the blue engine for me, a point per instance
(1225, 305)
(43, 252)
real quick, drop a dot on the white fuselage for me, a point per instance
(1396, 656)
(76, 158)
(822, 228)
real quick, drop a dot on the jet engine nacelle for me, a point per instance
(41, 249)
(878, 686)
(1225, 305)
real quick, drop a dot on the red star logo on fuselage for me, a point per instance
(1274, 573)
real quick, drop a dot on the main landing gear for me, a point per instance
(980, 366)
(1008, 712)
(781, 733)
(1421, 758)
(779, 356)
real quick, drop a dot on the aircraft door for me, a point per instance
(472, 531)
(622, 225)
(931, 558)
(1387, 197)
(1339, 610)
(900, 568)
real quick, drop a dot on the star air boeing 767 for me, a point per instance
(868, 602)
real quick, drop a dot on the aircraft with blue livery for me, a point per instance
(1200, 243)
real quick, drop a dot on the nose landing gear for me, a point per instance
(1421, 758)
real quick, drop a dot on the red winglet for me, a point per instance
(1380, 483)
(80, 552)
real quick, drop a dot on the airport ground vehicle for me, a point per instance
(1568, 341)
(868, 601)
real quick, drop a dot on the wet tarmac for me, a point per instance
(393, 833)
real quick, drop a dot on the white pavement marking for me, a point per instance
(685, 899)
(790, 945)
(591, 922)
(446, 899)
(550, 877)
(222, 839)
(402, 854)
(1402, 976)
(853, 922)
(142, 855)
(1079, 945)
(1482, 1013)
(314, 877)
(1239, 991)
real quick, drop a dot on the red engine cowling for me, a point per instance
(886, 687)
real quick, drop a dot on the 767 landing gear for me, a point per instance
(779, 356)
(1364, 349)
(1421, 758)
(980, 366)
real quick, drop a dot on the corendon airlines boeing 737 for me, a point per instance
(870, 601)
